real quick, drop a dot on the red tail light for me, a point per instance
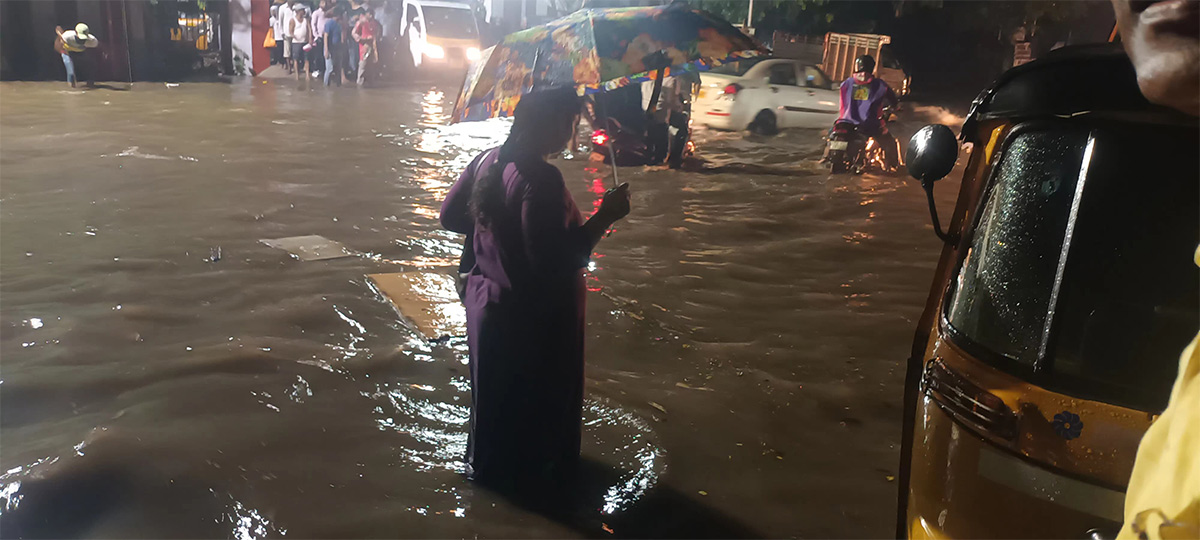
(599, 137)
(732, 89)
(969, 403)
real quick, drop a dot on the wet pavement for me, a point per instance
(165, 374)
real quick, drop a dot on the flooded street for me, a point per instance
(165, 374)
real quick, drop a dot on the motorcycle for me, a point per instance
(628, 147)
(850, 150)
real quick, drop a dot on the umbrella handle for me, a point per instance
(612, 159)
(612, 155)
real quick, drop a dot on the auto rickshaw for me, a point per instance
(1065, 292)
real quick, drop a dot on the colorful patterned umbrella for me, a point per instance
(596, 50)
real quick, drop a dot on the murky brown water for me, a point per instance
(746, 330)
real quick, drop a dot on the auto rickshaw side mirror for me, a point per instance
(932, 153)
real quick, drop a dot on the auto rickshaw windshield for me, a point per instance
(1080, 274)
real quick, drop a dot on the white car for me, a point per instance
(765, 95)
(440, 34)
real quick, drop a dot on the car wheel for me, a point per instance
(764, 123)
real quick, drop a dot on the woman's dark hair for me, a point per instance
(533, 135)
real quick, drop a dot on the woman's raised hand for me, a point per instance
(615, 204)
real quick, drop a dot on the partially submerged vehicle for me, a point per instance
(1065, 291)
(765, 95)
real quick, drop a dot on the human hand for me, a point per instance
(615, 204)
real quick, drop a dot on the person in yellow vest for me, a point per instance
(1163, 499)
(72, 45)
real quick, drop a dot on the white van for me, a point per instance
(439, 34)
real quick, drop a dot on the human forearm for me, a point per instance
(613, 207)
(596, 227)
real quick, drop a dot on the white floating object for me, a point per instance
(309, 248)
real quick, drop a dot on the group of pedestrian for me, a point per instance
(338, 38)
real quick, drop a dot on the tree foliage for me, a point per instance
(735, 11)
(1002, 17)
(815, 17)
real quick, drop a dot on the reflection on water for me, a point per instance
(744, 325)
(640, 462)
(441, 444)
(10, 482)
(247, 523)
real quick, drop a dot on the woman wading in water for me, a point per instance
(525, 296)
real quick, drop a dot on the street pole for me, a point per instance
(750, 15)
(128, 54)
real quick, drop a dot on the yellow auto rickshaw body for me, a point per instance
(1024, 410)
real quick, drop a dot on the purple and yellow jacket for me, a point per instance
(862, 102)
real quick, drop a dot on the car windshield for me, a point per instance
(1129, 298)
(449, 22)
(738, 68)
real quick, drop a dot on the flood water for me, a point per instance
(165, 374)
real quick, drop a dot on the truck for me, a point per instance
(840, 50)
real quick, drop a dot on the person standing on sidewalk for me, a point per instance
(351, 64)
(317, 20)
(276, 35)
(287, 12)
(301, 32)
(366, 33)
(72, 45)
(353, 14)
(335, 51)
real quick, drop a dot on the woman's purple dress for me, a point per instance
(525, 320)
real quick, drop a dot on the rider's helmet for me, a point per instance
(864, 64)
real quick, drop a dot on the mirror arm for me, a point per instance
(927, 184)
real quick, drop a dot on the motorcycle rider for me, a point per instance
(863, 98)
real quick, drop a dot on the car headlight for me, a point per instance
(474, 54)
(433, 51)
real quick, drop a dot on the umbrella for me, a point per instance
(595, 50)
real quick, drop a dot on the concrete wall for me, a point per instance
(242, 36)
(249, 20)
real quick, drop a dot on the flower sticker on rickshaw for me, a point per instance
(1068, 425)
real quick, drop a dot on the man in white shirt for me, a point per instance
(286, 14)
(277, 34)
(72, 45)
(318, 18)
